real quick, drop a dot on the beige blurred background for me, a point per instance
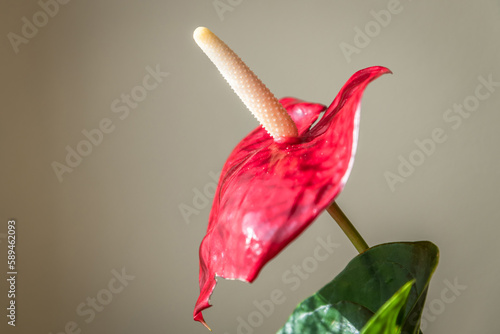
(118, 211)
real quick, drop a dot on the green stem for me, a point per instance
(348, 228)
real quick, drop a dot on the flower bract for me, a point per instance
(270, 190)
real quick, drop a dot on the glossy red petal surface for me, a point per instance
(269, 192)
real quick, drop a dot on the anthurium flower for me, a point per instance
(280, 177)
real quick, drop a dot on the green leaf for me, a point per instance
(346, 304)
(385, 321)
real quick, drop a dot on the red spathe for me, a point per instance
(269, 191)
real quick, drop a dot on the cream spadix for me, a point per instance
(254, 94)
